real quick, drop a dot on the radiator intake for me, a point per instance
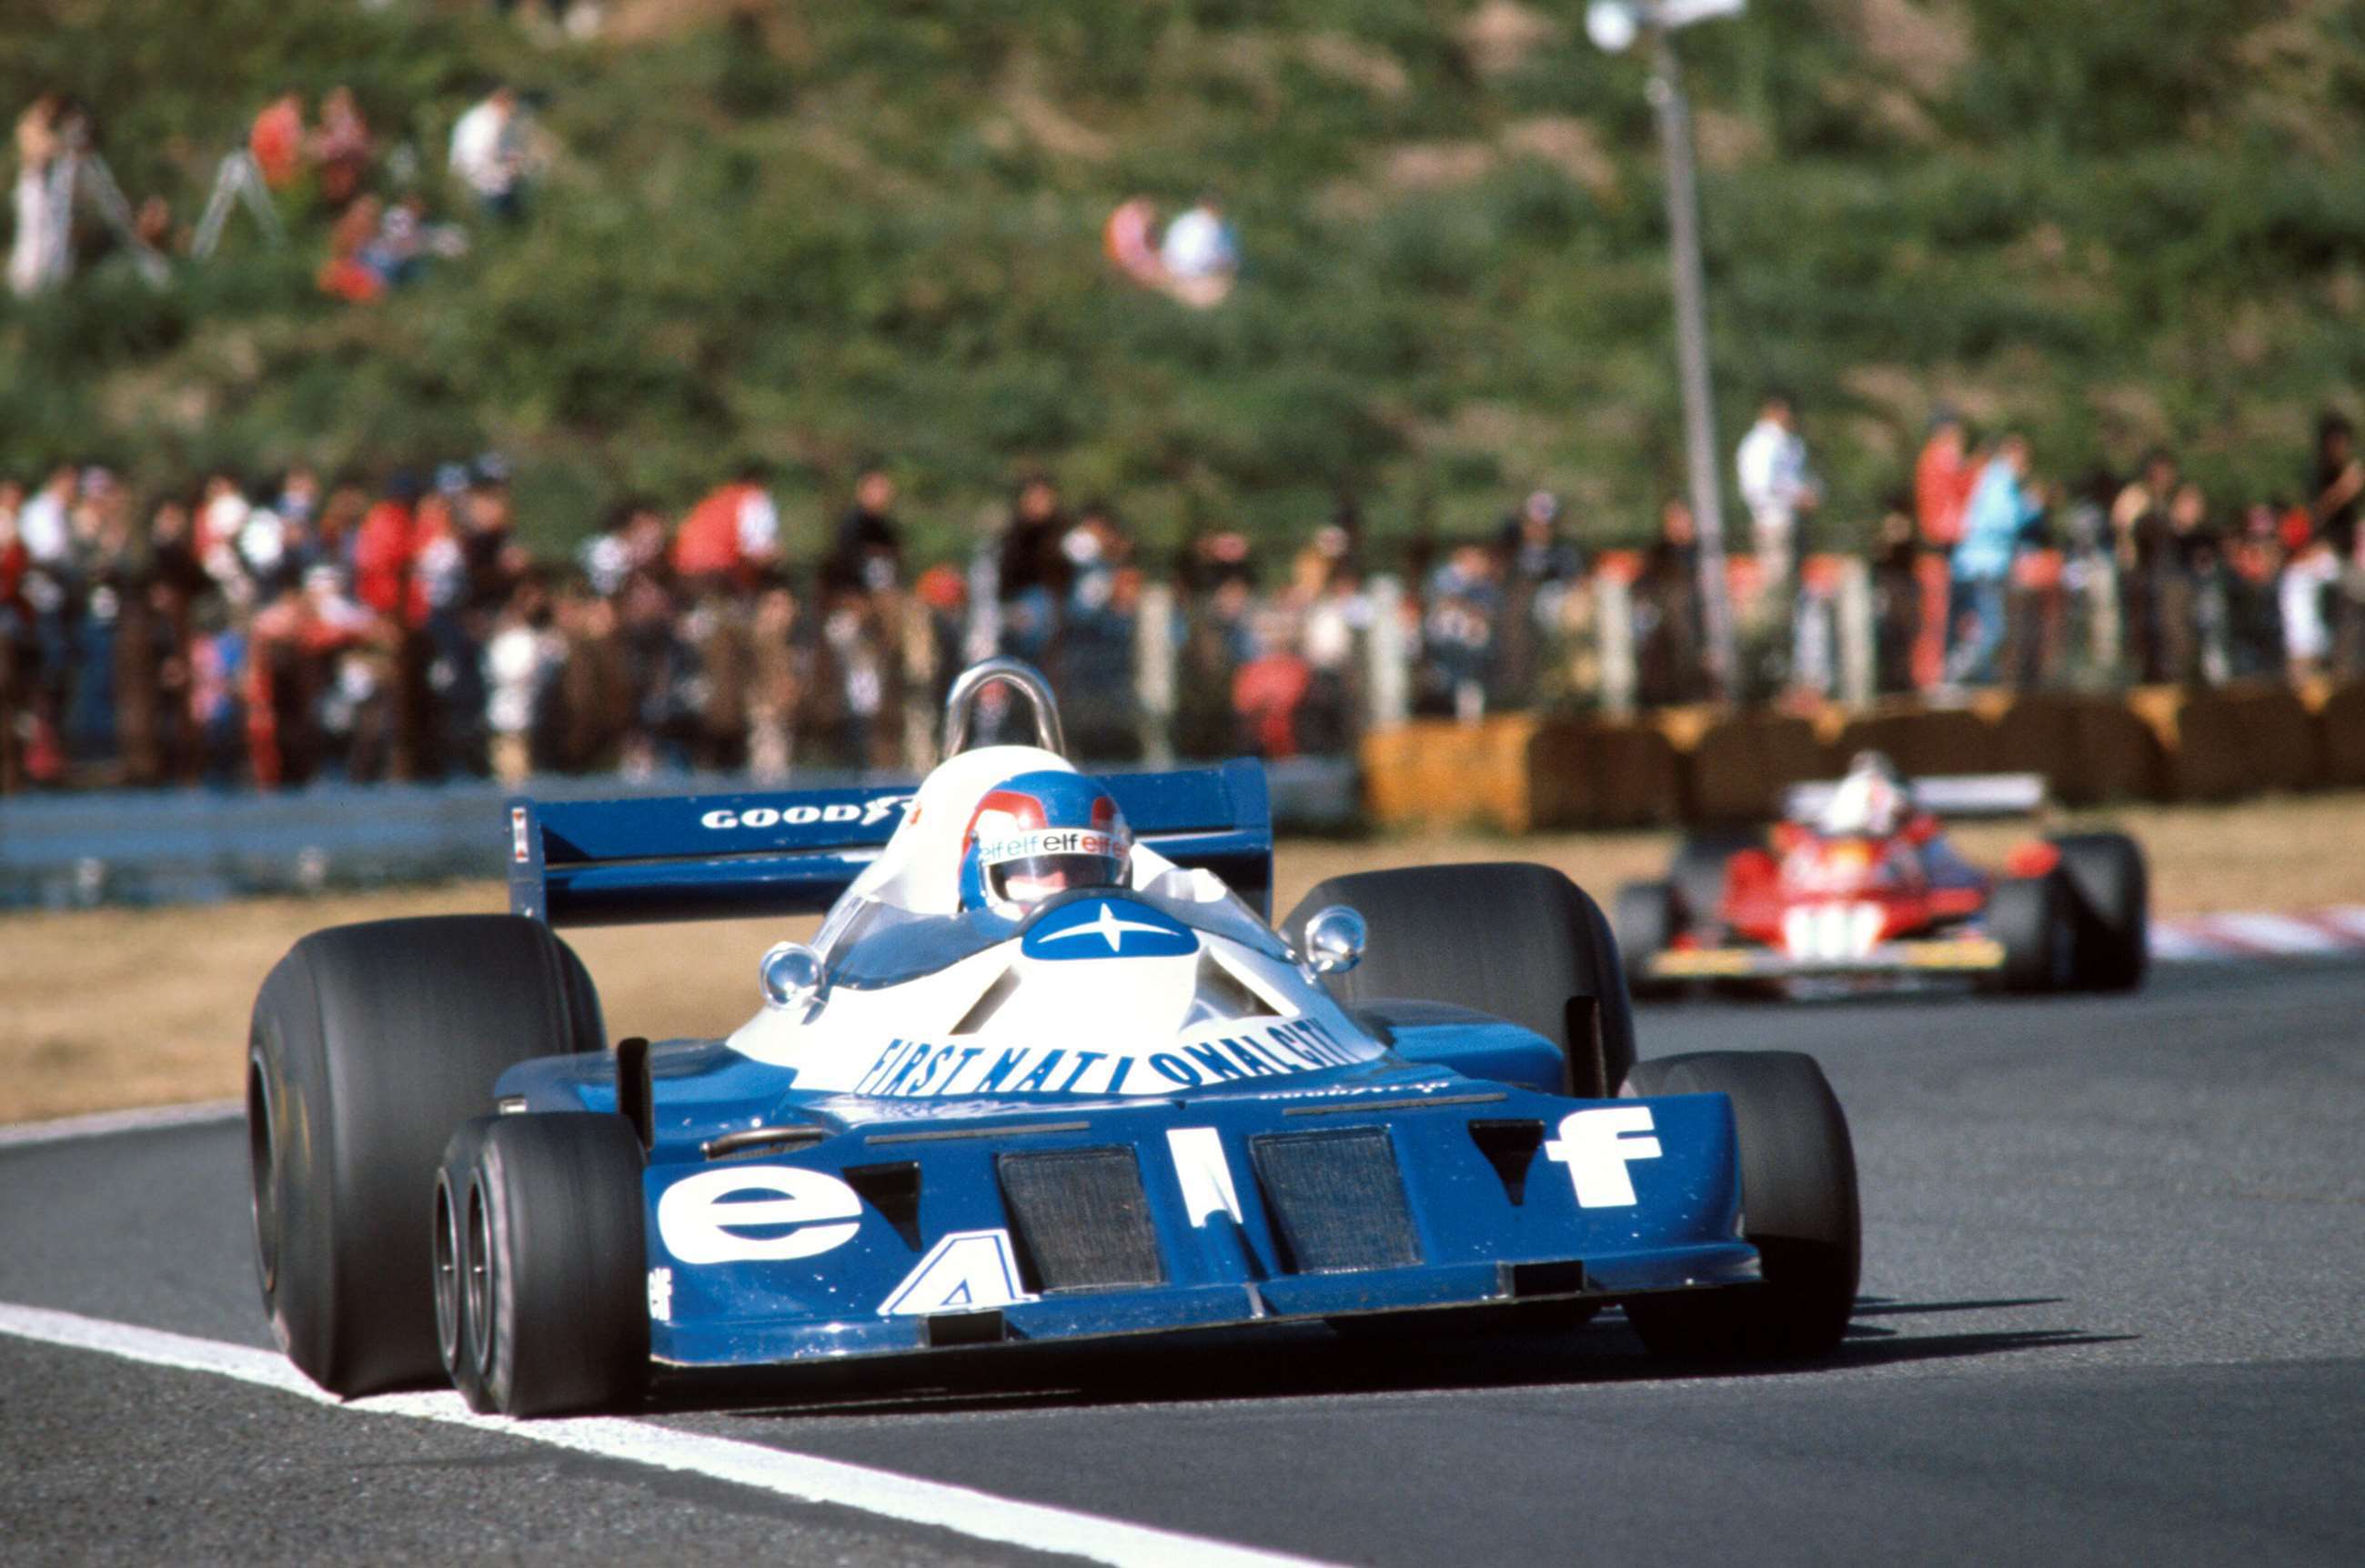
(1081, 1220)
(1337, 1199)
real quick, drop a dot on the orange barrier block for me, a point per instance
(2340, 734)
(2089, 748)
(1740, 764)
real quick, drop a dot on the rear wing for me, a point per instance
(627, 862)
(1957, 796)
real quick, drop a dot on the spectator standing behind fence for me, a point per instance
(489, 152)
(868, 553)
(730, 535)
(1901, 612)
(1465, 606)
(42, 522)
(2303, 592)
(1335, 618)
(2193, 609)
(1096, 635)
(2340, 484)
(1777, 485)
(1032, 572)
(2139, 527)
(2339, 496)
(1540, 563)
(1666, 606)
(2254, 560)
(2003, 507)
(1943, 477)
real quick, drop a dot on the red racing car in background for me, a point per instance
(1859, 882)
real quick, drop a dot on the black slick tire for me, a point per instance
(1799, 1209)
(1519, 941)
(541, 1265)
(2034, 919)
(2110, 888)
(370, 1042)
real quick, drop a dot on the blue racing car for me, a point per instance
(1045, 1074)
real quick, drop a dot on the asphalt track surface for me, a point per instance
(2114, 1252)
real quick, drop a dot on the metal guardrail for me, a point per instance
(161, 847)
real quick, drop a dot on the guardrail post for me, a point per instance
(1613, 616)
(1391, 681)
(1853, 612)
(919, 675)
(2102, 639)
(1153, 672)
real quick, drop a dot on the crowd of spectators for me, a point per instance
(1979, 565)
(313, 626)
(308, 628)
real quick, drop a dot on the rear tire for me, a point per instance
(1519, 941)
(541, 1260)
(2035, 921)
(369, 1043)
(1647, 924)
(1799, 1209)
(2111, 890)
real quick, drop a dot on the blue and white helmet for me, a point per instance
(1038, 834)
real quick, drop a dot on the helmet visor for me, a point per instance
(1037, 877)
(1031, 866)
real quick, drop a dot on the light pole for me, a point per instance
(1614, 26)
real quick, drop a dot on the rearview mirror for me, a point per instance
(1334, 940)
(790, 973)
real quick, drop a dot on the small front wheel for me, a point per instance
(541, 1260)
(1799, 1208)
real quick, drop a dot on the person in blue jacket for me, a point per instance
(2004, 507)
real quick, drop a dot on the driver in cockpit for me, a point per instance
(1039, 834)
(1875, 802)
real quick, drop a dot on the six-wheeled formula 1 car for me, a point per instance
(1045, 1074)
(1859, 884)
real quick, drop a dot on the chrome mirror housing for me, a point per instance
(790, 973)
(1334, 940)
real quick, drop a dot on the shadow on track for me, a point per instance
(1883, 1306)
(1308, 1362)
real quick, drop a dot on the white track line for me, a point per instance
(800, 1477)
(106, 1123)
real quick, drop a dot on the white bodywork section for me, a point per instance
(1094, 1021)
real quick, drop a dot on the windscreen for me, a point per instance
(872, 944)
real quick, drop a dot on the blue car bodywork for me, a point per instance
(786, 1224)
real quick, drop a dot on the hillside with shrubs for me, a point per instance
(802, 233)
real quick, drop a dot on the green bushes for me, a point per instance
(822, 231)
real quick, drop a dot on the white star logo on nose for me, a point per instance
(1108, 926)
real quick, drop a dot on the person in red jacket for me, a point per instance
(1943, 478)
(731, 535)
(387, 548)
(277, 141)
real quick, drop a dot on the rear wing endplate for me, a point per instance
(622, 862)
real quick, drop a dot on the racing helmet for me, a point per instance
(1038, 834)
(1870, 801)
